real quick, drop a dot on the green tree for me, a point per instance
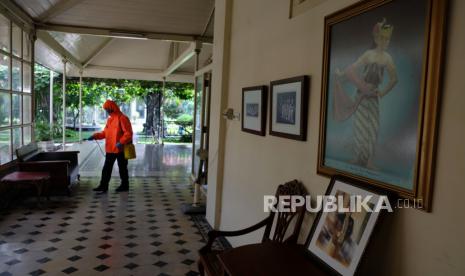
(96, 91)
(154, 99)
(41, 90)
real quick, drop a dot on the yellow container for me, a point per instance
(129, 151)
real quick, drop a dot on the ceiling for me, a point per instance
(140, 39)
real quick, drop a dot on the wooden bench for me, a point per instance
(62, 166)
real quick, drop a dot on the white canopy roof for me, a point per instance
(137, 39)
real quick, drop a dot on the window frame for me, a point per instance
(12, 126)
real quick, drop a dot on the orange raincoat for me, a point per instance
(117, 129)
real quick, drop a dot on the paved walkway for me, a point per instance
(152, 160)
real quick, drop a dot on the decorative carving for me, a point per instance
(285, 219)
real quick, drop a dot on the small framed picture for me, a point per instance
(289, 108)
(298, 7)
(254, 101)
(340, 235)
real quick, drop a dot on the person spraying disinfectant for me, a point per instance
(117, 133)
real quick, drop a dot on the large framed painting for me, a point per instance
(254, 103)
(339, 237)
(380, 94)
(289, 107)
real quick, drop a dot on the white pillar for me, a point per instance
(80, 106)
(95, 116)
(64, 104)
(51, 105)
(161, 123)
(134, 108)
(219, 102)
(196, 184)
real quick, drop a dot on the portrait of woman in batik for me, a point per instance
(374, 84)
(366, 74)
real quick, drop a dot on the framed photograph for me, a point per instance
(289, 108)
(300, 6)
(339, 238)
(380, 94)
(254, 102)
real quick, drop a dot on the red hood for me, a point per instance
(109, 104)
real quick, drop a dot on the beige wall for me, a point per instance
(265, 45)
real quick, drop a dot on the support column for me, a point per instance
(51, 105)
(80, 106)
(219, 102)
(195, 207)
(64, 104)
(161, 122)
(196, 184)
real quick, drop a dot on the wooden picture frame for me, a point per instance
(289, 107)
(381, 129)
(343, 257)
(254, 107)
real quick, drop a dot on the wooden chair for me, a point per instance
(208, 261)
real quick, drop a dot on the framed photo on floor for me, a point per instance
(380, 94)
(254, 102)
(289, 108)
(339, 238)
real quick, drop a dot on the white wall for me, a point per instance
(265, 45)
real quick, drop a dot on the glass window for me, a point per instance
(27, 49)
(16, 43)
(26, 77)
(17, 140)
(16, 82)
(17, 79)
(27, 135)
(4, 34)
(16, 111)
(5, 106)
(5, 146)
(27, 118)
(4, 72)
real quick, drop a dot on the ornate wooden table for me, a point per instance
(268, 259)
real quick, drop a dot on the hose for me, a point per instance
(100, 148)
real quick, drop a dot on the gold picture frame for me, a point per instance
(397, 29)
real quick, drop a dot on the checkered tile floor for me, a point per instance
(142, 232)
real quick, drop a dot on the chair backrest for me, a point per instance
(27, 152)
(285, 220)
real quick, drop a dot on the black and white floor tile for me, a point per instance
(142, 232)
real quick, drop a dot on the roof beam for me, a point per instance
(55, 46)
(57, 9)
(97, 51)
(20, 17)
(209, 21)
(124, 69)
(122, 33)
(182, 58)
(96, 71)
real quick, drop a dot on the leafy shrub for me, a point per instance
(42, 131)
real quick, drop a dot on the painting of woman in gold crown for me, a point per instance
(366, 74)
